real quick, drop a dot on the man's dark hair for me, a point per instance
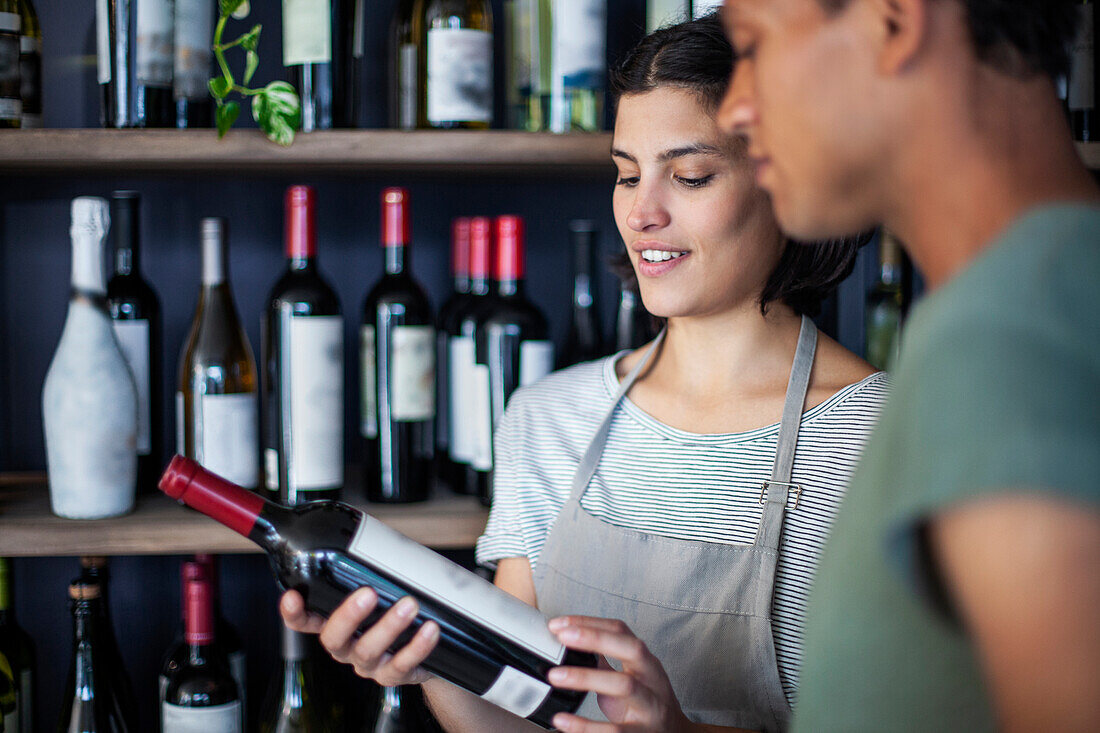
(696, 56)
(1017, 37)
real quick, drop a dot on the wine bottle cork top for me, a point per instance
(177, 476)
(84, 591)
(90, 217)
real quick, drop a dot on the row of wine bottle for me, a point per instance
(202, 678)
(102, 401)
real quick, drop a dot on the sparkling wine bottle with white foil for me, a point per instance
(216, 405)
(303, 356)
(89, 403)
(491, 643)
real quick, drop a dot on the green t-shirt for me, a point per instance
(998, 389)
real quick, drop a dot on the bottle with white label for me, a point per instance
(135, 312)
(303, 357)
(193, 61)
(397, 369)
(461, 350)
(307, 55)
(455, 64)
(11, 95)
(201, 694)
(89, 403)
(513, 347)
(490, 642)
(216, 405)
(153, 63)
(579, 65)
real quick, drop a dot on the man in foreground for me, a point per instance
(960, 587)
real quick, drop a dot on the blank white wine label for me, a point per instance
(230, 437)
(153, 52)
(307, 32)
(536, 360)
(481, 415)
(460, 75)
(214, 719)
(368, 386)
(133, 338)
(460, 372)
(516, 692)
(316, 376)
(579, 56)
(412, 390)
(431, 575)
(193, 58)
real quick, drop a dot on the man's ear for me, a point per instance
(901, 30)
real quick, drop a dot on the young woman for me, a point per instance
(674, 499)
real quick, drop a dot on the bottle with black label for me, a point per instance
(11, 93)
(455, 64)
(303, 357)
(30, 67)
(397, 370)
(135, 312)
(513, 347)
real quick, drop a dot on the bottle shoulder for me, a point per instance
(398, 290)
(307, 293)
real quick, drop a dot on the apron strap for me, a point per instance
(773, 494)
(587, 467)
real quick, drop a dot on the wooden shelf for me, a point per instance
(159, 526)
(52, 152)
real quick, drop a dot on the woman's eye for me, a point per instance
(627, 181)
(695, 182)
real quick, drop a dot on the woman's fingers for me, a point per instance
(602, 681)
(591, 622)
(293, 610)
(617, 642)
(337, 635)
(403, 668)
(374, 642)
(575, 724)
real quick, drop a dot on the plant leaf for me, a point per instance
(226, 115)
(250, 41)
(251, 65)
(242, 11)
(278, 112)
(220, 87)
(229, 7)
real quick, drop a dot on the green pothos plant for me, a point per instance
(275, 107)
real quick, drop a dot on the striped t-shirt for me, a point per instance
(658, 479)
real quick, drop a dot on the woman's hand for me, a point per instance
(367, 654)
(639, 698)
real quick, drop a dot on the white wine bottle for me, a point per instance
(89, 402)
(455, 64)
(216, 405)
(579, 65)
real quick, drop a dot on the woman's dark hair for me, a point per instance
(696, 56)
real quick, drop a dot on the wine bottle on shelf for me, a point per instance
(11, 93)
(174, 656)
(455, 63)
(462, 349)
(528, 42)
(490, 643)
(91, 702)
(1082, 79)
(229, 639)
(94, 571)
(303, 356)
(307, 54)
(633, 324)
(193, 59)
(153, 61)
(115, 62)
(446, 325)
(400, 710)
(16, 647)
(513, 347)
(885, 301)
(201, 694)
(135, 314)
(89, 403)
(349, 17)
(292, 704)
(397, 358)
(403, 55)
(579, 64)
(216, 405)
(30, 66)
(585, 340)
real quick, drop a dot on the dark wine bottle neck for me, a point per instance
(126, 261)
(479, 286)
(301, 264)
(510, 288)
(462, 284)
(125, 234)
(396, 260)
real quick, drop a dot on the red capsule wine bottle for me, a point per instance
(303, 366)
(491, 643)
(397, 368)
